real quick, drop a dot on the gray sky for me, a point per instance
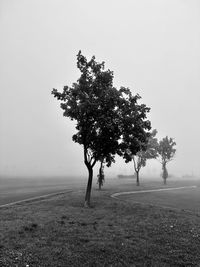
(151, 45)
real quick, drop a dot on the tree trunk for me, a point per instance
(137, 178)
(165, 173)
(100, 179)
(89, 187)
(99, 186)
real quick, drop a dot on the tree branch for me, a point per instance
(94, 162)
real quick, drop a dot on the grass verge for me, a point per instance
(60, 232)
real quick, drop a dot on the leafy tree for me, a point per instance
(103, 114)
(166, 151)
(147, 151)
(135, 134)
(150, 152)
(91, 102)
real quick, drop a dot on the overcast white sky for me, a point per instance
(151, 45)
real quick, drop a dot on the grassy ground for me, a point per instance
(60, 232)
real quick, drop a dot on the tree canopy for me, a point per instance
(135, 126)
(92, 103)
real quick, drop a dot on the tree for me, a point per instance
(101, 112)
(91, 102)
(150, 152)
(166, 152)
(135, 134)
(101, 176)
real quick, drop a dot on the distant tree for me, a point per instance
(166, 151)
(103, 114)
(148, 151)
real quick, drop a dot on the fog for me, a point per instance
(151, 45)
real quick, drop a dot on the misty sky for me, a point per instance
(151, 45)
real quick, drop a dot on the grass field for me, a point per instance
(183, 198)
(17, 189)
(58, 231)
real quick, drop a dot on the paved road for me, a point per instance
(13, 190)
